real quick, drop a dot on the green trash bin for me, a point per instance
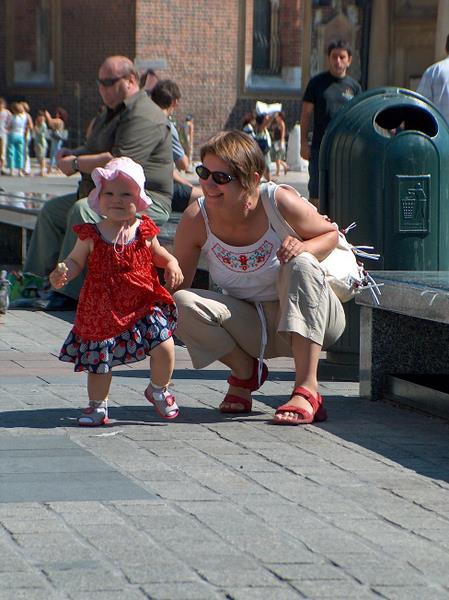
(384, 163)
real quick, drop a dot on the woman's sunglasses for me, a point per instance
(218, 176)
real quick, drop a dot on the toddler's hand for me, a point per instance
(173, 275)
(58, 277)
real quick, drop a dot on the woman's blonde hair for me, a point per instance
(240, 152)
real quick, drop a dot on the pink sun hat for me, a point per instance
(115, 167)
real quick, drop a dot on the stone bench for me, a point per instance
(404, 340)
(18, 216)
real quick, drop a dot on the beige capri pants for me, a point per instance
(211, 324)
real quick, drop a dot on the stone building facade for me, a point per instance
(224, 55)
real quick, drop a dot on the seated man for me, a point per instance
(166, 95)
(132, 125)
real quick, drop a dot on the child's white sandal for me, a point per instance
(94, 415)
(163, 401)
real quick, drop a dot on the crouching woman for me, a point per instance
(275, 300)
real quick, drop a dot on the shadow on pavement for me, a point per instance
(193, 374)
(52, 418)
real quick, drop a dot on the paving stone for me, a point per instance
(334, 589)
(308, 571)
(412, 593)
(51, 548)
(127, 593)
(159, 570)
(35, 593)
(33, 580)
(46, 468)
(184, 591)
(284, 592)
(86, 580)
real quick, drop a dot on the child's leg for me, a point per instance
(98, 386)
(162, 365)
(98, 390)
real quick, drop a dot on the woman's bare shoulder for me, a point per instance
(288, 198)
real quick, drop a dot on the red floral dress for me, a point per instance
(123, 311)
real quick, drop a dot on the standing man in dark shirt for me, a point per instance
(325, 94)
(132, 125)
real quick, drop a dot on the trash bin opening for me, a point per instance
(394, 120)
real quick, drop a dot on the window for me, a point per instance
(266, 38)
(270, 62)
(31, 43)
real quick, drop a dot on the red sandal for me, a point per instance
(251, 384)
(316, 402)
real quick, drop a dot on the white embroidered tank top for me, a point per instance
(244, 272)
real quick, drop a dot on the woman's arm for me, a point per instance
(190, 237)
(30, 124)
(305, 122)
(54, 122)
(319, 236)
(282, 129)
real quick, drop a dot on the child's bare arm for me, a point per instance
(162, 258)
(72, 266)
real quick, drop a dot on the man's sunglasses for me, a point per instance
(110, 81)
(218, 176)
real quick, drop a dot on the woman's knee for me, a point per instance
(302, 280)
(195, 309)
(184, 299)
(305, 266)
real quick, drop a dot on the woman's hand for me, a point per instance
(290, 248)
(173, 275)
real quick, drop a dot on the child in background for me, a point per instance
(124, 314)
(40, 141)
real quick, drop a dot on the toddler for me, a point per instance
(123, 314)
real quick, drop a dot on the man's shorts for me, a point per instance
(181, 196)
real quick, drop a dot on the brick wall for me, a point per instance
(200, 47)
(290, 25)
(201, 42)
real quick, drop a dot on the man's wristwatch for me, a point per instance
(75, 167)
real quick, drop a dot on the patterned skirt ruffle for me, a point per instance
(128, 347)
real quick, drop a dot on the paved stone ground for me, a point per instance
(210, 506)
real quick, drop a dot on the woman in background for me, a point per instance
(58, 135)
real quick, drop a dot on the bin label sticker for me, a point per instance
(413, 203)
